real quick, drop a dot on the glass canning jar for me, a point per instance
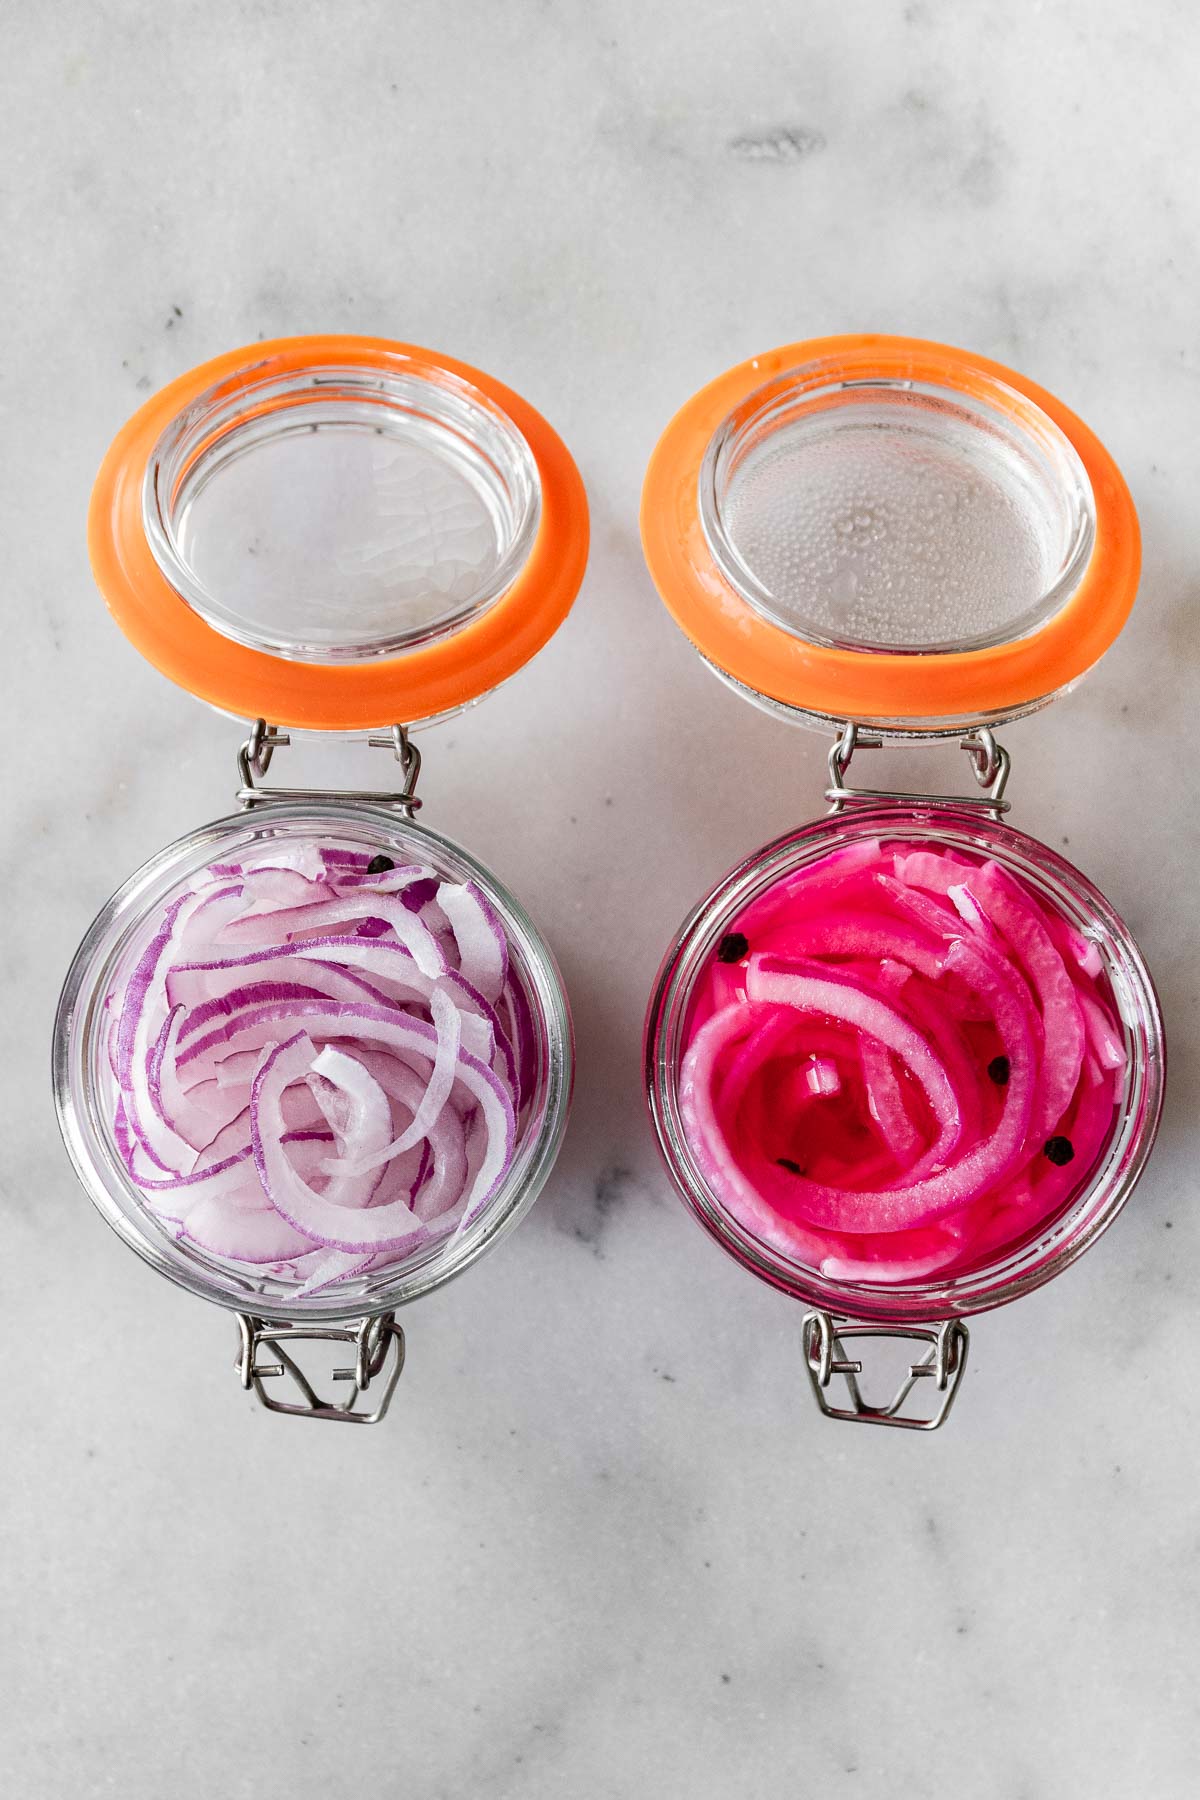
(902, 542)
(348, 537)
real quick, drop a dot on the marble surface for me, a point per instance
(603, 1547)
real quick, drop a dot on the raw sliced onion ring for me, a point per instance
(319, 1070)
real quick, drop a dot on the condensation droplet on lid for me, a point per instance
(898, 520)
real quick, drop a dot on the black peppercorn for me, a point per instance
(1060, 1150)
(379, 865)
(733, 947)
(793, 1168)
(999, 1069)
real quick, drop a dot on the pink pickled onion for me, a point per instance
(969, 1051)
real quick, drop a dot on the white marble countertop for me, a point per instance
(603, 1546)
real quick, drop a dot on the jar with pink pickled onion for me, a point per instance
(905, 1063)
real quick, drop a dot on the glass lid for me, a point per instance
(889, 531)
(334, 514)
(338, 532)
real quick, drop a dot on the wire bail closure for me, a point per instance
(945, 1359)
(990, 763)
(943, 1362)
(378, 1357)
(254, 759)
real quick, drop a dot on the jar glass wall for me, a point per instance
(86, 1090)
(1011, 1268)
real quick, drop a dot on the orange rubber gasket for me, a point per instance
(418, 684)
(869, 684)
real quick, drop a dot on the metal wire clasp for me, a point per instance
(254, 759)
(989, 760)
(378, 1357)
(944, 1361)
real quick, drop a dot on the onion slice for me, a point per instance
(320, 1068)
(891, 1051)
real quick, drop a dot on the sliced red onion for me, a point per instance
(796, 985)
(276, 888)
(710, 1142)
(391, 881)
(362, 1126)
(139, 1027)
(260, 928)
(1062, 1020)
(1105, 1040)
(482, 945)
(308, 1102)
(885, 1100)
(433, 1192)
(202, 986)
(973, 1045)
(447, 1020)
(392, 1227)
(238, 1235)
(333, 1266)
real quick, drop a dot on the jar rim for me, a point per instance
(892, 729)
(88, 1138)
(406, 410)
(1011, 1270)
(432, 675)
(936, 430)
(707, 589)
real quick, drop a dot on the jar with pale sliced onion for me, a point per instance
(313, 1059)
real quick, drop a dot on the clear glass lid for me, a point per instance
(891, 532)
(338, 533)
(891, 514)
(331, 514)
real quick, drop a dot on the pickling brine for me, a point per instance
(900, 1060)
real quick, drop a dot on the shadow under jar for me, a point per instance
(313, 1059)
(905, 1063)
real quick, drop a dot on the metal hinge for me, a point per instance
(378, 1359)
(254, 759)
(943, 1363)
(989, 761)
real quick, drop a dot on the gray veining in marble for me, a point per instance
(603, 1547)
